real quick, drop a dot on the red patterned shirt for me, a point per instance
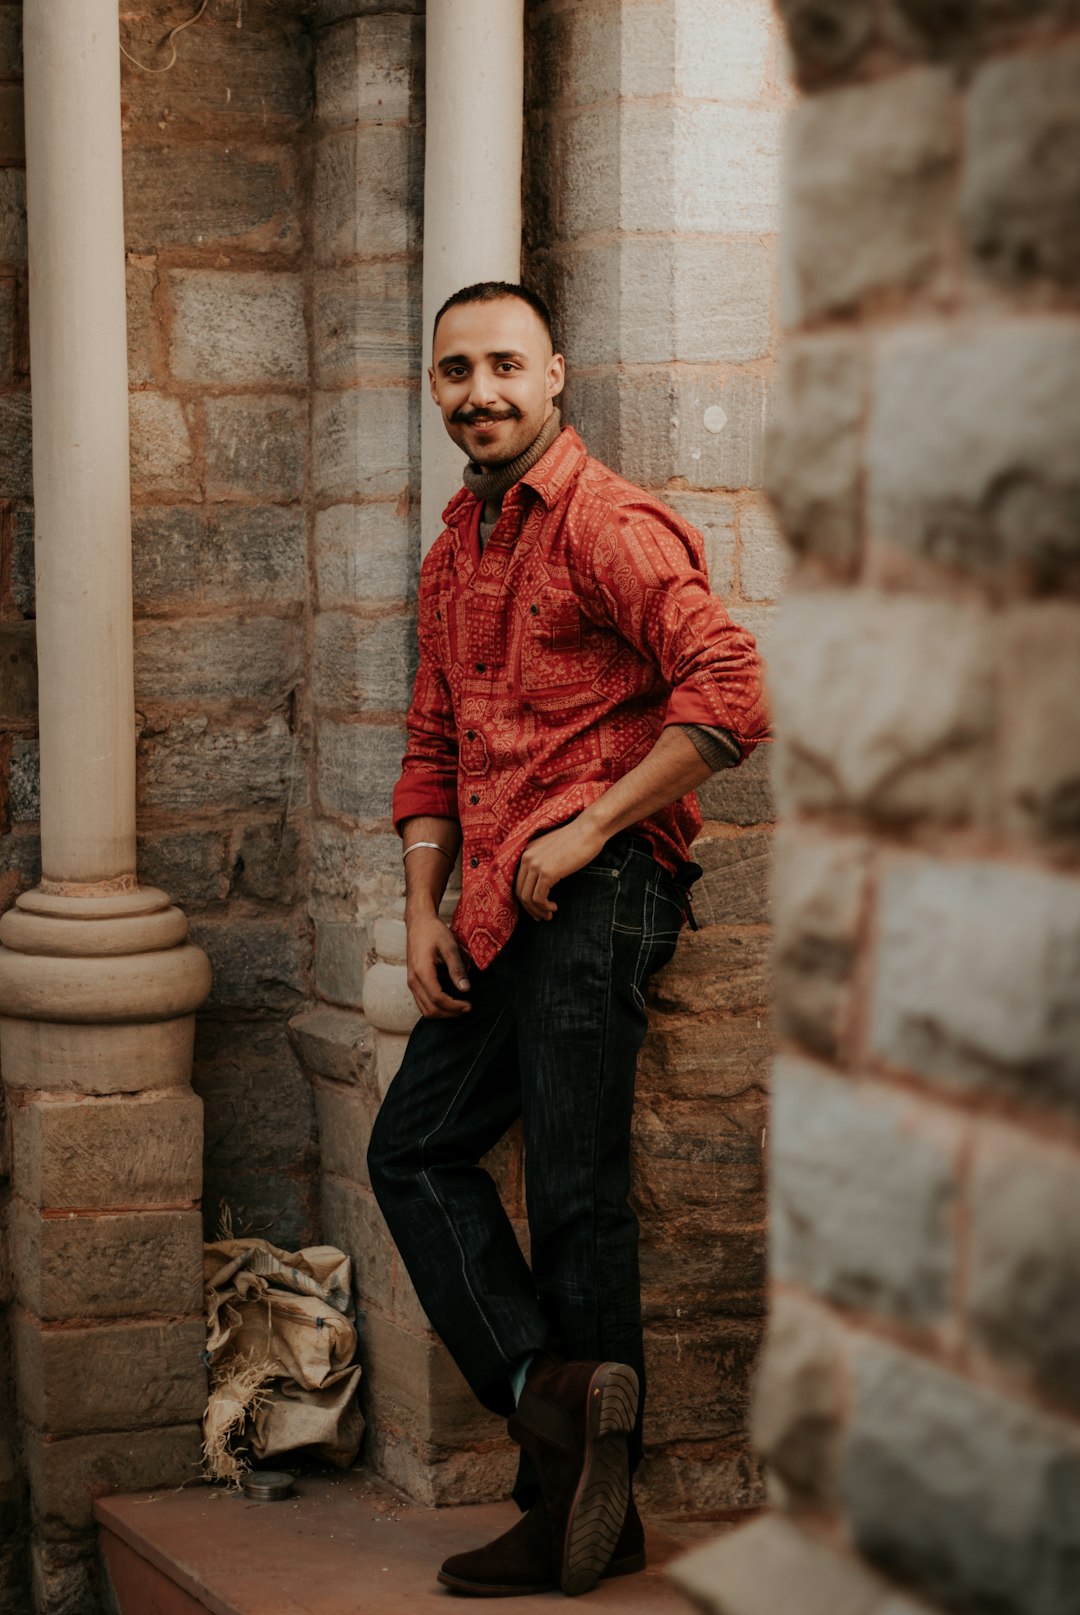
(550, 664)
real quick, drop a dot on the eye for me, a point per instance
(506, 364)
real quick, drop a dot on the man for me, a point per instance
(577, 680)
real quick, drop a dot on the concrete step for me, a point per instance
(343, 1545)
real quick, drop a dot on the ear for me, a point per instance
(556, 375)
(431, 383)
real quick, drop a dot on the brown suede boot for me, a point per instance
(574, 1420)
(520, 1560)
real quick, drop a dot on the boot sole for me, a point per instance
(486, 1589)
(597, 1513)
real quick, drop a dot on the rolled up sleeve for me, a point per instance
(429, 768)
(652, 578)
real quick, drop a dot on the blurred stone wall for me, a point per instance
(652, 210)
(919, 1404)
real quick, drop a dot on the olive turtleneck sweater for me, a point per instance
(716, 746)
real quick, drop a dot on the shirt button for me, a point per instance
(474, 863)
(474, 799)
(481, 667)
(470, 734)
(535, 610)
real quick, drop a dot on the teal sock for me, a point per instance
(518, 1374)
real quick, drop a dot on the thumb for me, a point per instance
(454, 963)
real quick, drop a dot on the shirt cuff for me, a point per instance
(718, 748)
(423, 796)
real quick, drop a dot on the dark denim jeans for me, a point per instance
(553, 1037)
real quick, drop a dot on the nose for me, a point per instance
(482, 393)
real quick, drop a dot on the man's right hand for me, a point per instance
(430, 942)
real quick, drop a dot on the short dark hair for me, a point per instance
(490, 291)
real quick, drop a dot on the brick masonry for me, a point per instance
(917, 1399)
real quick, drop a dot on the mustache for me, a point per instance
(466, 417)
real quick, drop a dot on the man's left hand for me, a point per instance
(549, 859)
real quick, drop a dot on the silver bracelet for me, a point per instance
(434, 844)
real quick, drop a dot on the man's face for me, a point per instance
(494, 377)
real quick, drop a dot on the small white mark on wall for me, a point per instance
(715, 418)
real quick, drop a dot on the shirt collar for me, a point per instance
(549, 477)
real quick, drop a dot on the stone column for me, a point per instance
(98, 984)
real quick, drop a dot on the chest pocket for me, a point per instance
(552, 640)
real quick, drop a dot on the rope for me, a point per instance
(169, 40)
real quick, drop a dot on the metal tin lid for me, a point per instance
(267, 1485)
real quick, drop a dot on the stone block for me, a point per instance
(800, 1398)
(162, 457)
(8, 335)
(22, 560)
(365, 552)
(193, 763)
(133, 1375)
(259, 961)
(220, 555)
(972, 1000)
(718, 968)
(365, 69)
(63, 1057)
(414, 1385)
(358, 764)
(955, 477)
(191, 865)
(367, 323)
(67, 1475)
(233, 328)
(883, 705)
(827, 36)
(341, 949)
(364, 442)
(734, 890)
(364, 664)
(601, 186)
(18, 673)
(96, 1153)
(812, 455)
(869, 184)
(346, 1116)
(718, 1479)
(820, 894)
(1020, 201)
(862, 1195)
(722, 53)
(24, 782)
(666, 425)
(261, 1153)
(210, 195)
(266, 862)
(65, 1576)
(700, 1266)
(119, 1265)
(353, 1222)
(389, 1052)
(360, 867)
(1024, 1289)
(763, 554)
(217, 659)
(706, 1056)
(255, 447)
(12, 216)
(334, 1043)
(687, 1159)
(740, 795)
(1040, 742)
(699, 1377)
(714, 517)
(368, 186)
(771, 1564)
(329, 11)
(726, 169)
(969, 1499)
(11, 64)
(16, 470)
(228, 83)
(143, 326)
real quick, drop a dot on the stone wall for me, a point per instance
(652, 204)
(919, 1402)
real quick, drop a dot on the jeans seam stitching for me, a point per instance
(438, 1202)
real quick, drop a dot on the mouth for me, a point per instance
(485, 423)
